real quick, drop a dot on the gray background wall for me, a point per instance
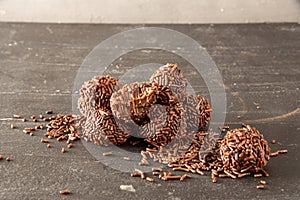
(150, 11)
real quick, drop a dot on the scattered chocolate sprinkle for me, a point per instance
(44, 141)
(260, 186)
(107, 153)
(64, 192)
(49, 111)
(17, 116)
(149, 179)
(263, 182)
(127, 158)
(273, 141)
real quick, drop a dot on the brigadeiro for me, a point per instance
(99, 125)
(244, 150)
(169, 75)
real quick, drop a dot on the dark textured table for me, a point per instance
(259, 64)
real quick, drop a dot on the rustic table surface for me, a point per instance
(259, 64)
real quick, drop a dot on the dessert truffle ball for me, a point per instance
(169, 75)
(100, 126)
(244, 150)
